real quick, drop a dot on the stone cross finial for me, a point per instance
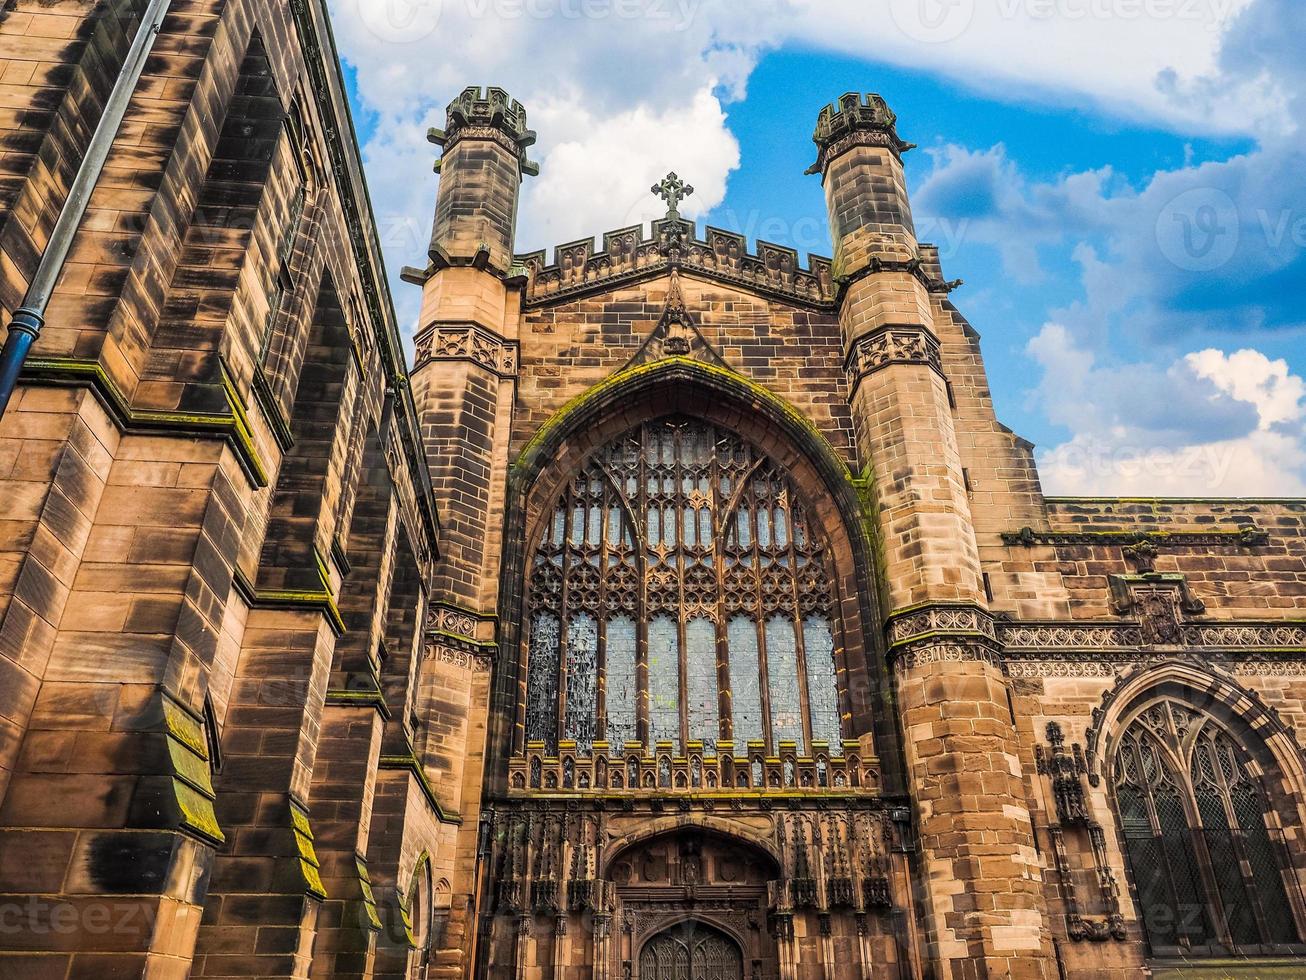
(673, 190)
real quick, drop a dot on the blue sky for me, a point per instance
(1124, 193)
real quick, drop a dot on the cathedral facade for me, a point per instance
(679, 610)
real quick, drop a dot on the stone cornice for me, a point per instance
(232, 427)
(952, 620)
(914, 266)
(958, 631)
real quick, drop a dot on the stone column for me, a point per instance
(979, 871)
(464, 386)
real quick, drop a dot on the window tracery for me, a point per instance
(680, 593)
(1193, 818)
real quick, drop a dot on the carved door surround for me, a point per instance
(681, 890)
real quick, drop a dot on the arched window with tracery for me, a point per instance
(1205, 862)
(680, 593)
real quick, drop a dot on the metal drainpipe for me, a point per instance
(30, 315)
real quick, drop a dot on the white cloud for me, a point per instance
(615, 85)
(1139, 58)
(1211, 424)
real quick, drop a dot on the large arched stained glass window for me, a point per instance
(679, 593)
(1193, 818)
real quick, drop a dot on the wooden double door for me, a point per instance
(691, 951)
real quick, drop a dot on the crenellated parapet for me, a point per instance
(487, 113)
(855, 121)
(628, 256)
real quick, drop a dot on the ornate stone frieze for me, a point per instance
(1244, 537)
(466, 342)
(627, 256)
(459, 657)
(1069, 636)
(1066, 668)
(458, 622)
(1243, 635)
(934, 620)
(945, 652)
(891, 344)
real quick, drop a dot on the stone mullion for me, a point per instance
(564, 612)
(747, 499)
(678, 500)
(800, 641)
(643, 724)
(725, 683)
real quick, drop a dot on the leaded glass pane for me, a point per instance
(620, 694)
(1205, 886)
(822, 684)
(701, 679)
(664, 680)
(630, 565)
(782, 673)
(542, 681)
(582, 678)
(745, 681)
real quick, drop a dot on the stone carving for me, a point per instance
(1065, 770)
(1061, 636)
(1244, 537)
(905, 344)
(676, 334)
(466, 659)
(466, 342)
(672, 190)
(954, 653)
(963, 620)
(856, 121)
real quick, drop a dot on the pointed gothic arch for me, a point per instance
(691, 949)
(702, 391)
(1200, 800)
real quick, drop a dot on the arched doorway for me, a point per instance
(691, 950)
